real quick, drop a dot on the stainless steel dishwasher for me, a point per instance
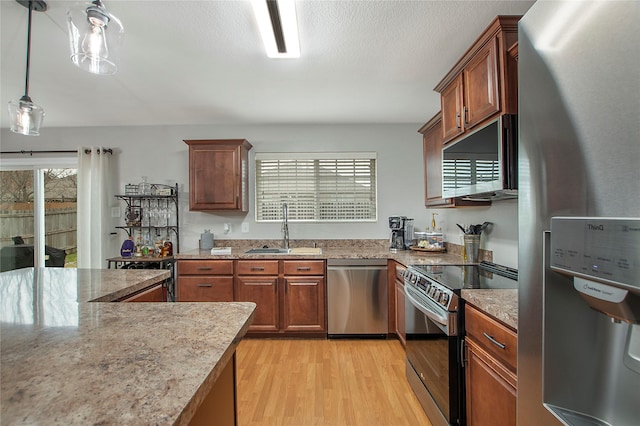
(357, 298)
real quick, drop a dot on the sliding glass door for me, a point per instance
(38, 217)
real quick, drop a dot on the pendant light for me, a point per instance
(95, 36)
(26, 117)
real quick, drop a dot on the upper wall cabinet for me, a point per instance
(432, 156)
(219, 174)
(483, 83)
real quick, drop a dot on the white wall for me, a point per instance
(501, 237)
(160, 154)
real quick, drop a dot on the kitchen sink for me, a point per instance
(268, 250)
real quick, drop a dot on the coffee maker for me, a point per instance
(401, 233)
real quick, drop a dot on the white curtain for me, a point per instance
(93, 203)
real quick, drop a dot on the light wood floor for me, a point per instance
(324, 382)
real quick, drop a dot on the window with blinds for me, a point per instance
(317, 187)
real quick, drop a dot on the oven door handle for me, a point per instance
(432, 314)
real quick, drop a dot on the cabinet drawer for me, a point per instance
(205, 267)
(257, 267)
(305, 267)
(205, 289)
(494, 337)
(154, 294)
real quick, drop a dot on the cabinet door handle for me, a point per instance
(494, 341)
(304, 268)
(257, 268)
(463, 361)
(464, 112)
(204, 268)
(458, 126)
(204, 285)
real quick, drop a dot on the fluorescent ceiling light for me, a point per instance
(278, 26)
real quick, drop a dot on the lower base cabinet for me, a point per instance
(491, 380)
(257, 281)
(205, 281)
(303, 305)
(156, 293)
(290, 295)
(220, 406)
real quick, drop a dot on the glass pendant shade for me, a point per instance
(25, 117)
(95, 38)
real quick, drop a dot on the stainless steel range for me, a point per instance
(435, 327)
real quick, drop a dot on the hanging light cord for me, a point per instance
(26, 83)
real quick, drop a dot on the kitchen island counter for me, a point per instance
(67, 359)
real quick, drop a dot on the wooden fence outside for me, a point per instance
(60, 226)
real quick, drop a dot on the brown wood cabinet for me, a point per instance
(452, 106)
(205, 281)
(156, 293)
(483, 83)
(289, 294)
(432, 160)
(257, 281)
(491, 368)
(219, 174)
(303, 303)
(432, 156)
(220, 405)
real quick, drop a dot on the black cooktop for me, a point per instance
(484, 275)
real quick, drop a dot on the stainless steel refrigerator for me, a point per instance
(579, 209)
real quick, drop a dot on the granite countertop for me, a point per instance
(502, 304)
(67, 358)
(406, 257)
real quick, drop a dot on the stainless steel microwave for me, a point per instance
(483, 164)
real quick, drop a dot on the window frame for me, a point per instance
(316, 196)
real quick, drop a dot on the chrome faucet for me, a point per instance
(285, 224)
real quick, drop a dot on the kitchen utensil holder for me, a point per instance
(472, 247)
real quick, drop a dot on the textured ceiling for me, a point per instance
(202, 62)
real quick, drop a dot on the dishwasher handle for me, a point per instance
(357, 268)
(355, 263)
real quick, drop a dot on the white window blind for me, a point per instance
(317, 187)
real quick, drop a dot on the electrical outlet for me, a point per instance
(245, 227)
(227, 228)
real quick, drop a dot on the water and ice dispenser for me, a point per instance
(591, 317)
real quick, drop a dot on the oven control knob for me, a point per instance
(413, 278)
(444, 299)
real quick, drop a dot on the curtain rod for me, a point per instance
(75, 151)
